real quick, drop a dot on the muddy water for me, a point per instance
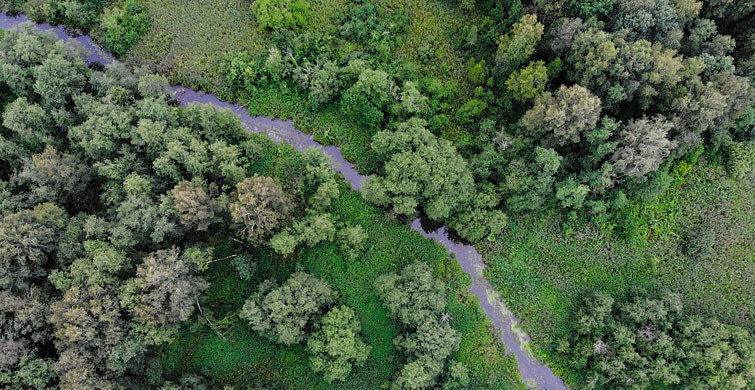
(535, 374)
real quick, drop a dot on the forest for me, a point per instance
(598, 154)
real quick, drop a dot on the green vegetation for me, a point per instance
(615, 137)
(135, 233)
(700, 246)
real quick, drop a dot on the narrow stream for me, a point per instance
(535, 374)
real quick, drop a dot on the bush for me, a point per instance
(281, 14)
(123, 26)
(740, 159)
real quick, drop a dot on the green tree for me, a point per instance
(563, 118)
(166, 289)
(123, 26)
(529, 82)
(285, 313)
(260, 206)
(335, 346)
(643, 146)
(655, 21)
(516, 47)
(365, 101)
(195, 206)
(414, 296)
(26, 243)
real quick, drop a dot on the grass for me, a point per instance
(543, 274)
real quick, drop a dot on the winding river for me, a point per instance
(535, 374)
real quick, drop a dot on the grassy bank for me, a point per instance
(543, 274)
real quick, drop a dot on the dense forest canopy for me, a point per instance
(113, 199)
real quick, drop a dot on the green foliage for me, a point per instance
(260, 207)
(365, 101)
(77, 13)
(529, 82)
(643, 146)
(335, 345)
(477, 72)
(418, 301)
(516, 46)
(427, 172)
(124, 26)
(166, 290)
(471, 110)
(571, 194)
(592, 8)
(285, 313)
(563, 118)
(651, 342)
(655, 21)
(281, 15)
(740, 160)
(195, 207)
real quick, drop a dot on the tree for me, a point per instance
(23, 324)
(412, 102)
(310, 230)
(652, 20)
(63, 172)
(335, 346)
(528, 185)
(166, 289)
(643, 146)
(517, 46)
(260, 206)
(649, 342)
(26, 242)
(422, 170)
(88, 327)
(366, 100)
(277, 14)
(28, 121)
(140, 218)
(617, 70)
(58, 78)
(285, 313)
(32, 373)
(100, 265)
(414, 297)
(418, 374)
(563, 118)
(563, 35)
(529, 82)
(195, 207)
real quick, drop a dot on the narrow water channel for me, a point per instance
(535, 374)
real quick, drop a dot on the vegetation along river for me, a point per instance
(534, 373)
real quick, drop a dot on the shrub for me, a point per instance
(740, 159)
(123, 26)
(281, 14)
